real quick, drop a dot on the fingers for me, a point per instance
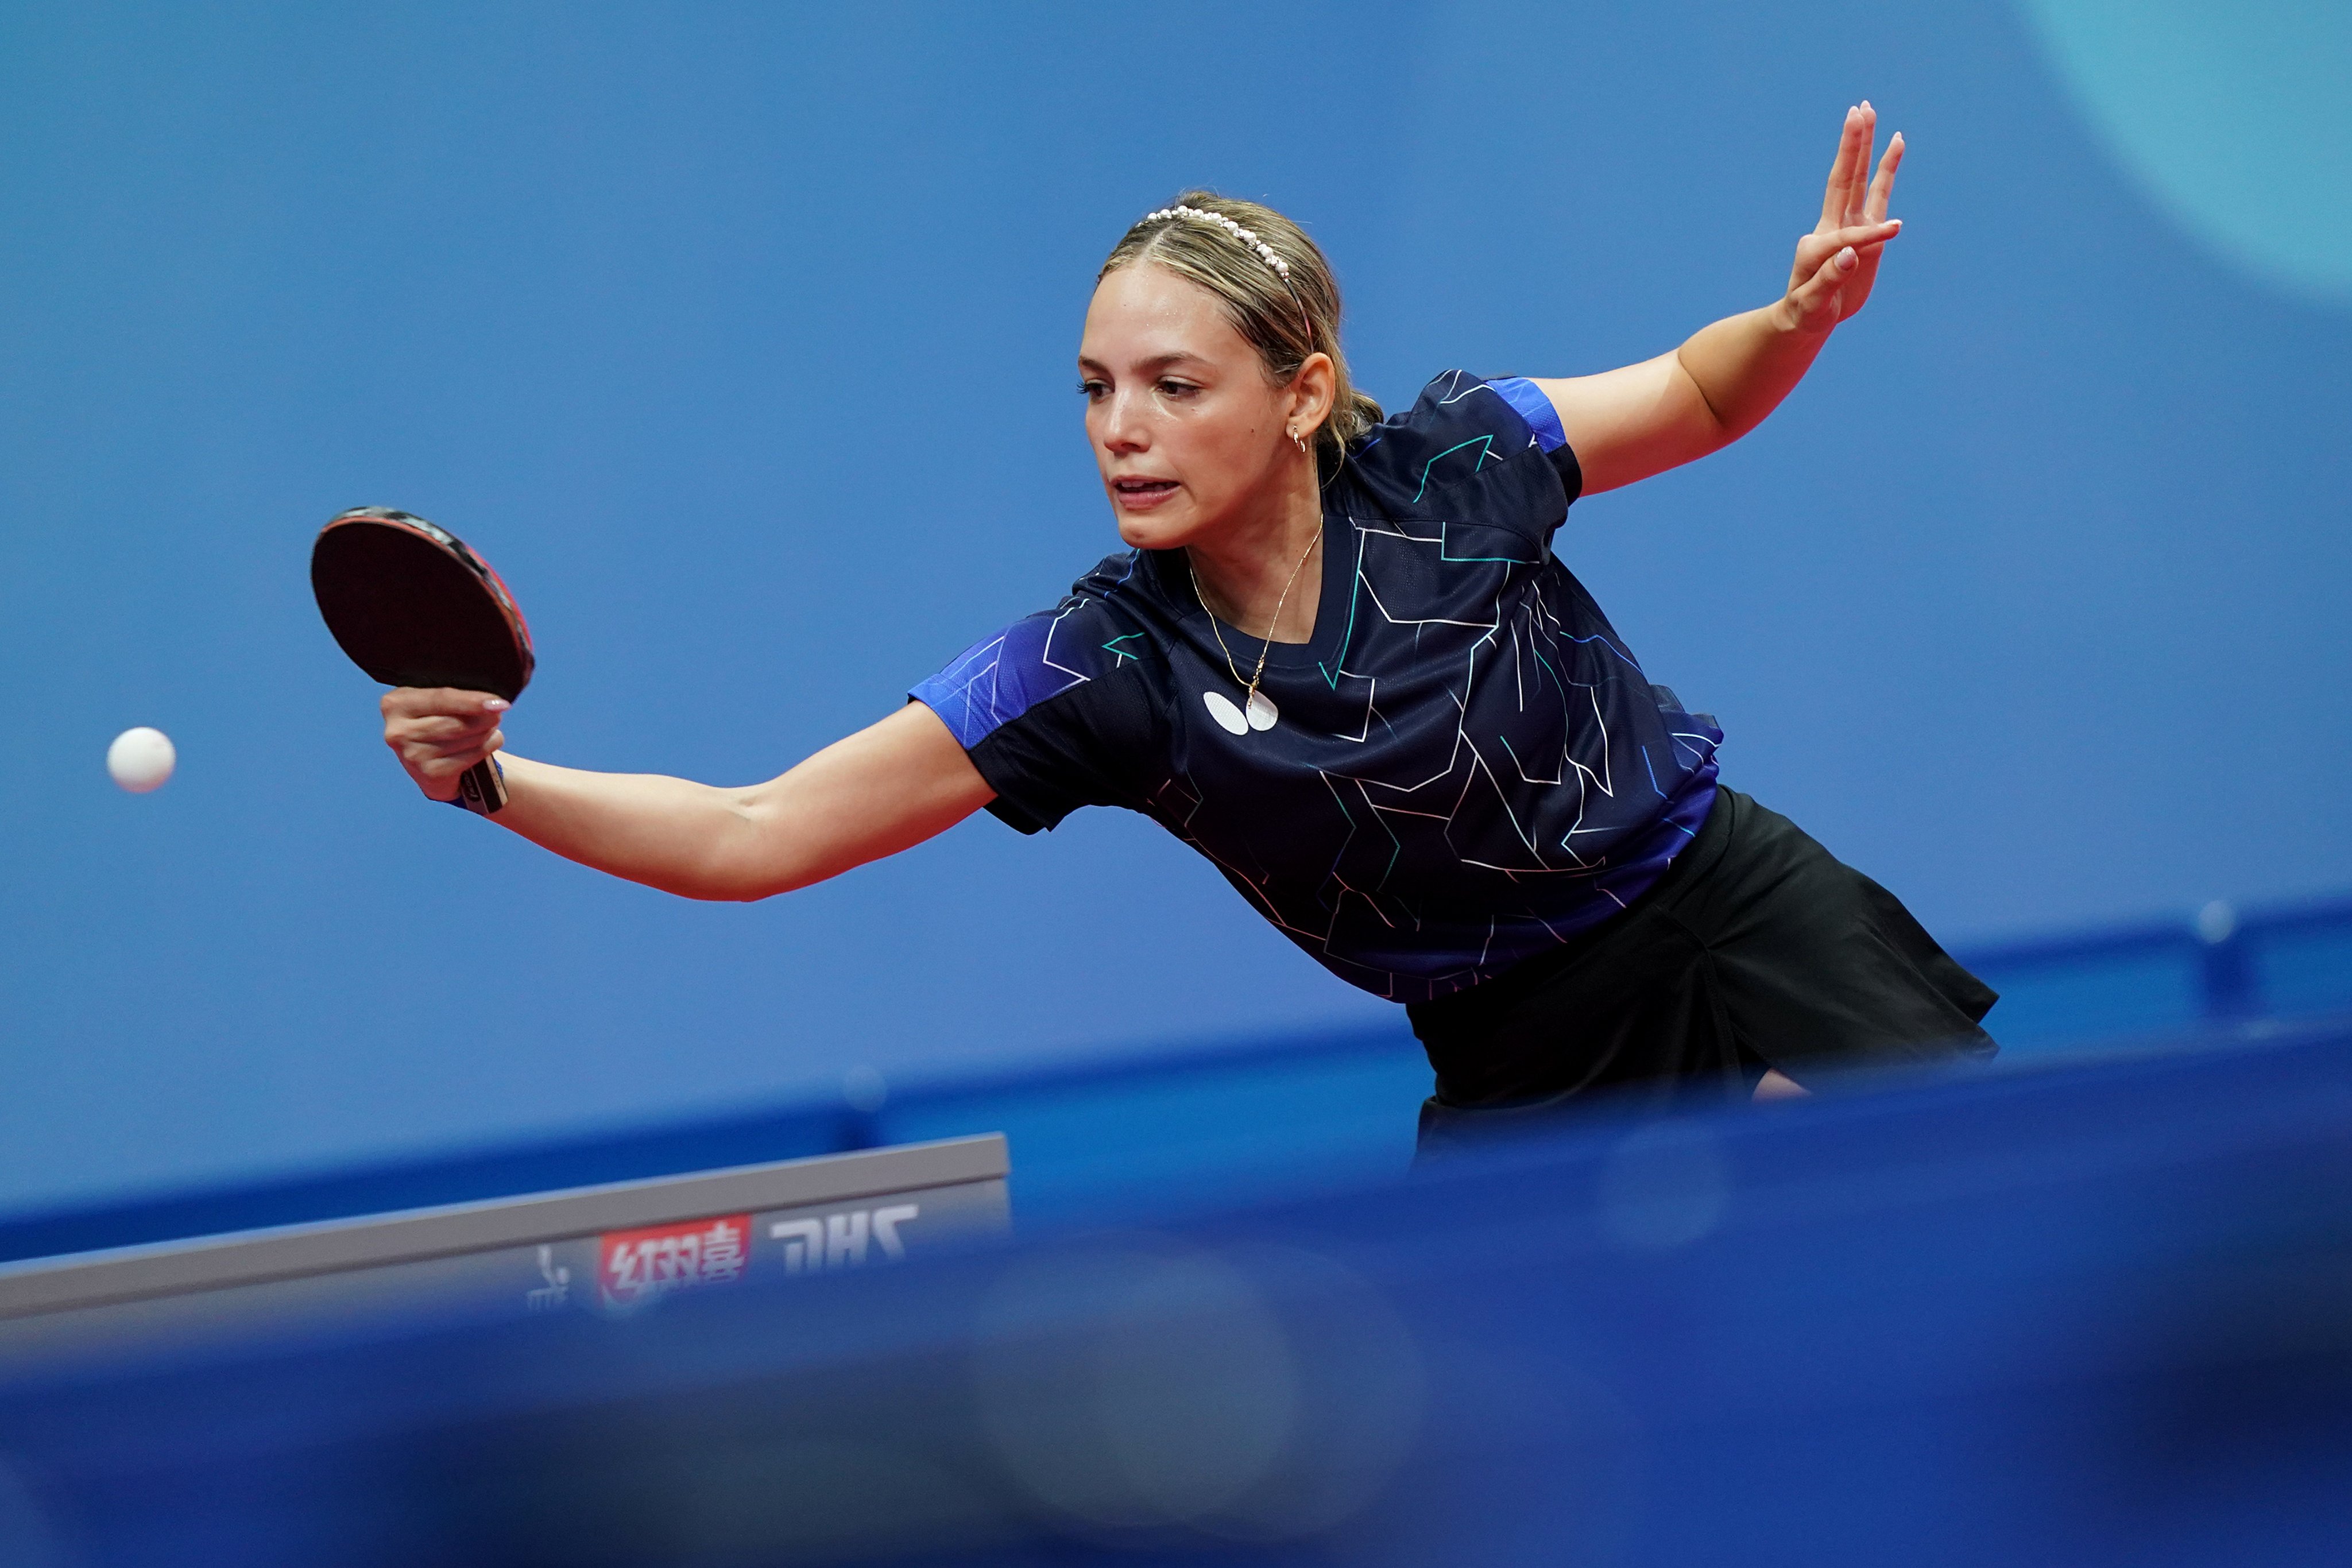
(1838, 262)
(415, 747)
(438, 771)
(438, 720)
(1817, 247)
(1882, 189)
(1834, 196)
(438, 733)
(1857, 190)
(1815, 301)
(453, 759)
(1852, 196)
(418, 701)
(440, 725)
(1864, 234)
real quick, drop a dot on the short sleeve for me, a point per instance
(1487, 459)
(1533, 404)
(1050, 724)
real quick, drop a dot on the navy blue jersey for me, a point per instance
(1461, 767)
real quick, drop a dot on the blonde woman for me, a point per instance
(1341, 657)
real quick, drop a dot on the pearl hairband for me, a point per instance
(1246, 237)
(1266, 254)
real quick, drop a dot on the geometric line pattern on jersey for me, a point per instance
(1469, 765)
(1475, 777)
(1481, 772)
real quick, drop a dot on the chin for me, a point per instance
(1152, 533)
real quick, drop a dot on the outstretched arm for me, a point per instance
(1627, 424)
(886, 788)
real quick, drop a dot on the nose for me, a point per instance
(1123, 428)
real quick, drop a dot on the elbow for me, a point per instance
(1725, 428)
(724, 891)
(739, 889)
(1708, 425)
(742, 865)
(747, 883)
(727, 884)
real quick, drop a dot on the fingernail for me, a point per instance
(1845, 259)
(496, 705)
(1896, 222)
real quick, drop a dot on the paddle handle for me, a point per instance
(481, 790)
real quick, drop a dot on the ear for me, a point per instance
(1311, 392)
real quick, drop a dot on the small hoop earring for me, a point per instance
(1299, 441)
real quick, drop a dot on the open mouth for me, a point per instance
(1143, 490)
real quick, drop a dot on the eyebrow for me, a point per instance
(1156, 362)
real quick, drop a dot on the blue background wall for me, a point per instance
(741, 339)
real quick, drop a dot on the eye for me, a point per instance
(1091, 389)
(1171, 387)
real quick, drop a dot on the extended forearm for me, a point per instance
(888, 787)
(1628, 424)
(681, 837)
(1744, 365)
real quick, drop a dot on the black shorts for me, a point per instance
(1757, 949)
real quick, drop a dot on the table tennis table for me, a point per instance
(616, 1248)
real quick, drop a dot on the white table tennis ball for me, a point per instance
(141, 759)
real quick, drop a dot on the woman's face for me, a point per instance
(1186, 426)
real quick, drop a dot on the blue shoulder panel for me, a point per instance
(1534, 407)
(998, 679)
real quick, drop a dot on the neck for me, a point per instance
(1243, 569)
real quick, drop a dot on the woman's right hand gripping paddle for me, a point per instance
(438, 733)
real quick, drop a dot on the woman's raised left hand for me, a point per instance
(1838, 262)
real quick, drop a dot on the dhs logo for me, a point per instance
(841, 1240)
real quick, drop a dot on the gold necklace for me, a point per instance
(1249, 694)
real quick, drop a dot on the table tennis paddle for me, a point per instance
(414, 607)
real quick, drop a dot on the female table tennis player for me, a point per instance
(1341, 660)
